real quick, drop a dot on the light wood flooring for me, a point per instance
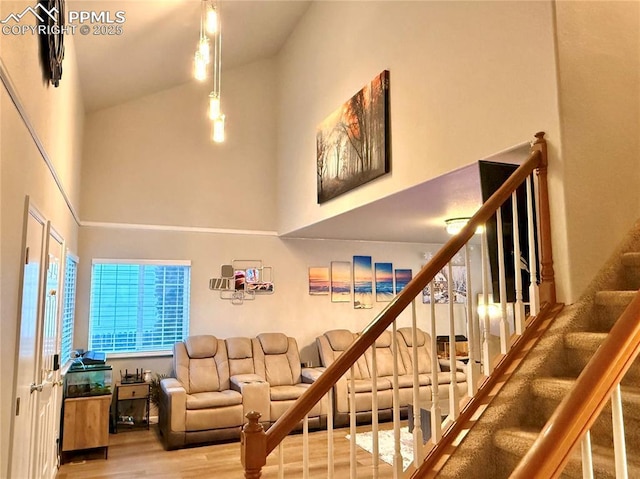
(139, 454)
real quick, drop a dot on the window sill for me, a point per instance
(139, 354)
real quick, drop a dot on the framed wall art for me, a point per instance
(352, 144)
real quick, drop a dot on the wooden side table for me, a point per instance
(131, 406)
(86, 424)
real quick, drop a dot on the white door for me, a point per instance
(48, 409)
(25, 401)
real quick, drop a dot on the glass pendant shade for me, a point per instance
(211, 21)
(205, 49)
(218, 129)
(200, 67)
(214, 105)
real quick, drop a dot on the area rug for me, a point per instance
(386, 445)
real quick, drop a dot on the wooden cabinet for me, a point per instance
(86, 423)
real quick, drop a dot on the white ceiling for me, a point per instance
(155, 50)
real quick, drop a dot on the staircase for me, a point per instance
(510, 425)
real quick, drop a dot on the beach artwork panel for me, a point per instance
(318, 280)
(403, 276)
(384, 282)
(340, 281)
(362, 282)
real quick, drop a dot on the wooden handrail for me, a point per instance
(579, 410)
(325, 382)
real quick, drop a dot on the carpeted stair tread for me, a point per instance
(631, 259)
(614, 298)
(584, 340)
(557, 388)
(517, 442)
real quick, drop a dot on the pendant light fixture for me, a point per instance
(210, 25)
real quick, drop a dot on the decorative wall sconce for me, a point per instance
(242, 280)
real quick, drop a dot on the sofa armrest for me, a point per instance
(173, 400)
(310, 375)
(445, 364)
(240, 380)
(256, 394)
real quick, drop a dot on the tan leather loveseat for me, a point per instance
(333, 343)
(217, 382)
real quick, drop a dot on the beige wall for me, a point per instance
(290, 309)
(599, 84)
(152, 161)
(468, 79)
(56, 115)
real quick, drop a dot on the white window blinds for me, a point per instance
(138, 306)
(69, 307)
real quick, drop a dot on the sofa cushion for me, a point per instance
(285, 393)
(407, 335)
(406, 380)
(366, 385)
(203, 346)
(384, 340)
(274, 343)
(340, 339)
(203, 375)
(213, 399)
(445, 377)
(239, 348)
(278, 370)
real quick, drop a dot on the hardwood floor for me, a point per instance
(139, 454)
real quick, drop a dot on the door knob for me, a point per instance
(36, 387)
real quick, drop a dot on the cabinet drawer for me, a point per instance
(133, 391)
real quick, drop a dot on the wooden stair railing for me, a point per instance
(256, 444)
(579, 410)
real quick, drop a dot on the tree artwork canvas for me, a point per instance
(352, 143)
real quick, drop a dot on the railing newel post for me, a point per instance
(253, 445)
(547, 276)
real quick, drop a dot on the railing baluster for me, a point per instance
(281, 460)
(619, 445)
(375, 459)
(305, 447)
(534, 298)
(453, 387)
(352, 424)
(517, 267)
(472, 368)
(486, 320)
(587, 457)
(436, 412)
(504, 327)
(417, 421)
(397, 456)
(330, 462)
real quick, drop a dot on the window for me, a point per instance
(69, 307)
(138, 306)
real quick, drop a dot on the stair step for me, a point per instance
(585, 341)
(516, 442)
(631, 262)
(614, 298)
(631, 259)
(581, 346)
(557, 388)
(609, 305)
